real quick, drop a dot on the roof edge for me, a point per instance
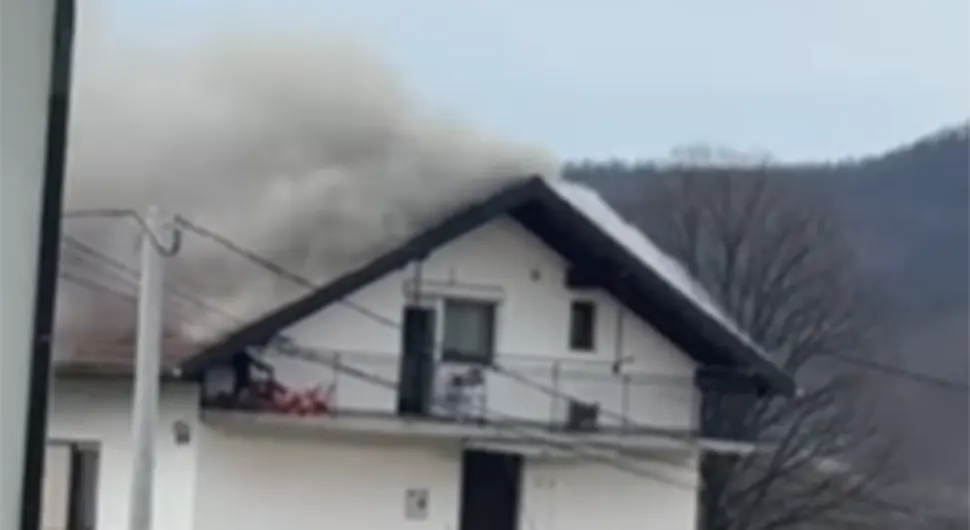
(449, 228)
(453, 226)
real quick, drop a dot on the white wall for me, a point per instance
(504, 263)
(583, 496)
(233, 481)
(56, 489)
(99, 411)
(249, 482)
(26, 30)
(260, 483)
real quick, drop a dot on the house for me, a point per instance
(530, 362)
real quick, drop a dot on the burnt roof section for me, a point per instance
(581, 241)
(115, 357)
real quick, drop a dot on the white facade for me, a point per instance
(232, 479)
(581, 496)
(249, 482)
(258, 482)
(503, 263)
(253, 474)
(98, 412)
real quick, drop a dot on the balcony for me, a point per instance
(520, 401)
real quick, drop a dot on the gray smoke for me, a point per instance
(310, 152)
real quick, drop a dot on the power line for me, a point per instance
(550, 441)
(93, 285)
(558, 394)
(367, 376)
(875, 366)
(98, 213)
(288, 348)
(97, 287)
(272, 267)
(121, 213)
(919, 377)
(280, 271)
(319, 357)
(269, 265)
(134, 273)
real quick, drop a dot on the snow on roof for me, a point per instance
(590, 204)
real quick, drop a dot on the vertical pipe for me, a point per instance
(618, 341)
(625, 398)
(337, 368)
(553, 403)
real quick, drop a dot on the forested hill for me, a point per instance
(907, 213)
(906, 208)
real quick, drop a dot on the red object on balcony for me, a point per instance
(285, 400)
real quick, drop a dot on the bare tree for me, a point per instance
(765, 246)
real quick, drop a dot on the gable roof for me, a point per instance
(575, 222)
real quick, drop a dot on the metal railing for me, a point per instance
(532, 389)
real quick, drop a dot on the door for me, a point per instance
(491, 486)
(416, 375)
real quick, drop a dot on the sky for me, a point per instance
(818, 79)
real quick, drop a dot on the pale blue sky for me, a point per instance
(806, 79)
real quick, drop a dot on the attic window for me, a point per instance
(582, 326)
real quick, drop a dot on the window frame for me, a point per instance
(483, 359)
(83, 482)
(575, 334)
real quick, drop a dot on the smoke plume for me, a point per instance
(310, 152)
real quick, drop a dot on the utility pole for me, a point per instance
(156, 231)
(36, 39)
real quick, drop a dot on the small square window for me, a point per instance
(582, 326)
(469, 331)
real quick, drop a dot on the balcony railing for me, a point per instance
(556, 393)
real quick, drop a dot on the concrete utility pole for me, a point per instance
(157, 231)
(36, 39)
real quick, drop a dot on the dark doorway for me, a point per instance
(490, 490)
(416, 369)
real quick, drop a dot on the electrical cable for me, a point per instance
(290, 349)
(270, 266)
(274, 268)
(116, 213)
(117, 276)
(917, 377)
(280, 271)
(134, 274)
(558, 394)
(364, 375)
(95, 286)
(98, 212)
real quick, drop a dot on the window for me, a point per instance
(582, 326)
(469, 331)
(70, 487)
